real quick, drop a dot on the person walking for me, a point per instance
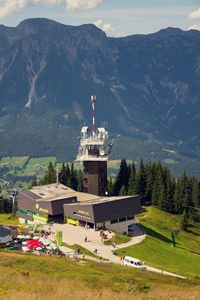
(114, 245)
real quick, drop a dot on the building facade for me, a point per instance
(112, 213)
(58, 203)
(44, 204)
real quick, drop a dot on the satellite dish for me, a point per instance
(102, 152)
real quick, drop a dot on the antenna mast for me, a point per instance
(93, 99)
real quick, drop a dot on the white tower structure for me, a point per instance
(93, 152)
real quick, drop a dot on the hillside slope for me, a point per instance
(31, 277)
(147, 86)
(157, 249)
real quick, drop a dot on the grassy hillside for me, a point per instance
(30, 277)
(156, 250)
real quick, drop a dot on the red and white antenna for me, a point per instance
(93, 99)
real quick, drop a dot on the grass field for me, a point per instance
(15, 161)
(157, 250)
(18, 167)
(8, 219)
(21, 167)
(31, 277)
(118, 239)
(82, 249)
(37, 166)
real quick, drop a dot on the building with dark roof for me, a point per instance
(43, 204)
(58, 203)
(114, 213)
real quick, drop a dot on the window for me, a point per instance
(113, 221)
(122, 219)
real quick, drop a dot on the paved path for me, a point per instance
(76, 235)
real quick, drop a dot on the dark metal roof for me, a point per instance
(30, 194)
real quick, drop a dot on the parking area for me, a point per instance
(92, 240)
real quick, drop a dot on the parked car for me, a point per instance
(131, 227)
(133, 262)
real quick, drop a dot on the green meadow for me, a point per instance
(157, 249)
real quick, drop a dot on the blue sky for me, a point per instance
(116, 17)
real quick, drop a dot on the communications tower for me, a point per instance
(93, 152)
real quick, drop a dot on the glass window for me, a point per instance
(122, 219)
(113, 221)
(130, 218)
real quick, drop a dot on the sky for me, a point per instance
(115, 17)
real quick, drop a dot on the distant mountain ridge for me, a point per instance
(147, 86)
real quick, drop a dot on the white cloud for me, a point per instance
(109, 30)
(9, 7)
(195, 14)
(74, 5)
(195, 26)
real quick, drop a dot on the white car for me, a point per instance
(133, 262)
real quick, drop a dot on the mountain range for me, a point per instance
(147, 87)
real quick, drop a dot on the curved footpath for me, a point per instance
(76, 235)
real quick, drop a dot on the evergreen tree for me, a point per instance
(50, 175)
(142, 179)
(132, 181)
(150, 171)
(158, 185)
(177, 198)
(73, 177)
(34, 182)
(80, 181)
(195, 192)
(122, 178)
(185, 193)
(162, 202)
(64, 174)
(156, 193)
(123, 191)
(170, 193)
(184, 221)
(110, 186)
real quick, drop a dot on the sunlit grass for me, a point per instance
(8, 219)
(157, 249)
(31, 277)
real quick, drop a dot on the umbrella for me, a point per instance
(33, 244)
